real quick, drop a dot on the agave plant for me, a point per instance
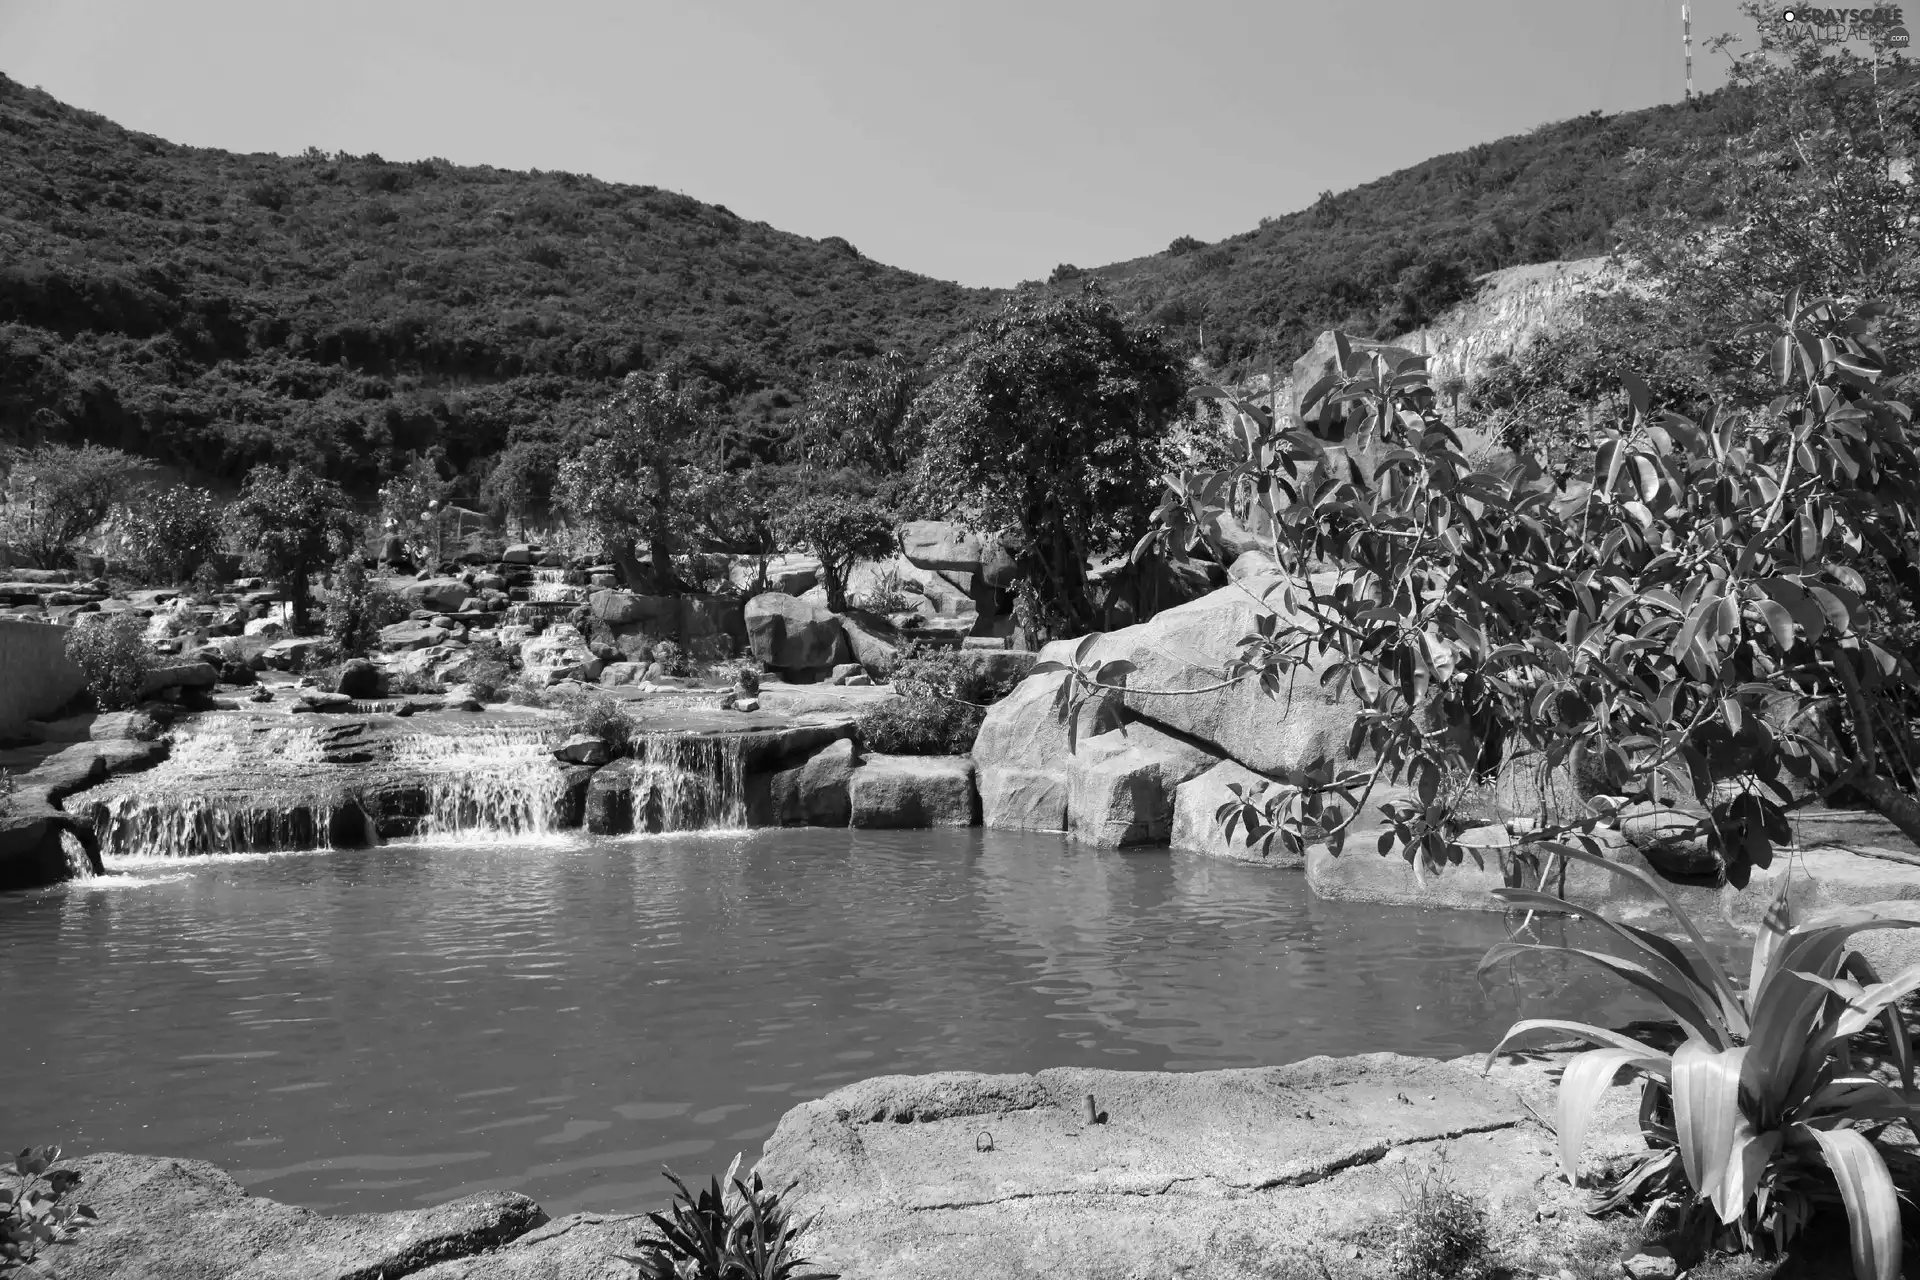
(737, 1232)
(1767, 1103)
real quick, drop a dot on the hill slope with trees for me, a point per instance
(214, 310)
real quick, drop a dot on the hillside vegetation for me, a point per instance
(212, 310)
(1385, 258)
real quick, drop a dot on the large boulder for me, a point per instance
(1187, 648)
(815, 793)
(790, 634)
(1321, 359)
(442, 595)
(914, 791)
(624, 608)
(1020, 755)
(1120, 789)
(360, 679)
(409, 634)
(609, 800)
(941, 544)
(1207, 1175)
(168, 1218)
(1195, 827)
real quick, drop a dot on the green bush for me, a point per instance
(33, 1215)
(113, 656)
(739, 1232)
(672, 658)
(920, 726)
(598, 715)
(488, 669)
(1441, 1233)
(357, 607)
(944, 696)
(172, 532)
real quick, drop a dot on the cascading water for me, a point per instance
(683, 782)
(497, 784)
(220, 793)
(79, 866)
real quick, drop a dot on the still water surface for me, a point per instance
(383, 1029)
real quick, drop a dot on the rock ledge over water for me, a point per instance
(1204, 1175)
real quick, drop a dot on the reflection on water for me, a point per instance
(386, 1028)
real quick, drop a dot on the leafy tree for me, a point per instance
(1053, 417)
(292, 523)
(172, 532)
(112, 653)
(1689, 622)
(58, 494)
(859, 415)
(414, 503)
(841, 523)
(522, 475)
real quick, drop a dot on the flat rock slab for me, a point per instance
(1199, 1175)
(581, 1246)
(163, 1219)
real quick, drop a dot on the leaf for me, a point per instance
(1873, 1208)
(1638, 393)
(1778, 621)
(1587, 1077)
(1706, 1110)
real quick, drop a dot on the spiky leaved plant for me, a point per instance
(737, 1232)
(1763, 1107)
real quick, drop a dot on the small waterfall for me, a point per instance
(130, 827)
(549, 575)
(77, 860)
(500, 784)
(683, 782)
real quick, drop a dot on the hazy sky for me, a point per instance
(977, 140)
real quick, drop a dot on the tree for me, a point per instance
(293, 523)
(859, 415)
(57, 495)
(628, 480)
(171, 532)
(841, 523)
(1053, 417)
(522, 474)
(1690, 622)
(414, 503)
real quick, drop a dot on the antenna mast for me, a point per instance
(1686, 43)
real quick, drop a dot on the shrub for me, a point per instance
(1768, 1101)
(32, 1216)
(172, 532)
(357, 608)
(1441, 1233)
(671, 657)
(920, 727)
(739, 1232)
(112, 653)
(487, 668)
(293, 522)
(598, 715)
(886, 595)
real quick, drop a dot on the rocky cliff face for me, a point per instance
(1510, 309)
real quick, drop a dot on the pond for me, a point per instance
(384, 1029)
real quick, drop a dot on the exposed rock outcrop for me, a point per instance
(913, 791)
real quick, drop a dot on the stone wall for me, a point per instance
(36, 679)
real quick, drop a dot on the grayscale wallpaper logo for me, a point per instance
(1837, 26)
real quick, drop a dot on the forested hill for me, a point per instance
(214, 310)
(1384, 258)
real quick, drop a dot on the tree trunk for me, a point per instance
(661, 542)
(1890, 802)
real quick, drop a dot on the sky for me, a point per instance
(984, 141)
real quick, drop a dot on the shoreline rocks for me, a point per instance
(1208, 1174)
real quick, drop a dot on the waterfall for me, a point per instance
(131, 827)
(499, 784)
(199, 811)
(78, 863)
(549, 575)
(683, 782)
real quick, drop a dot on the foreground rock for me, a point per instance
(187, 1220)
(1261, 1172)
